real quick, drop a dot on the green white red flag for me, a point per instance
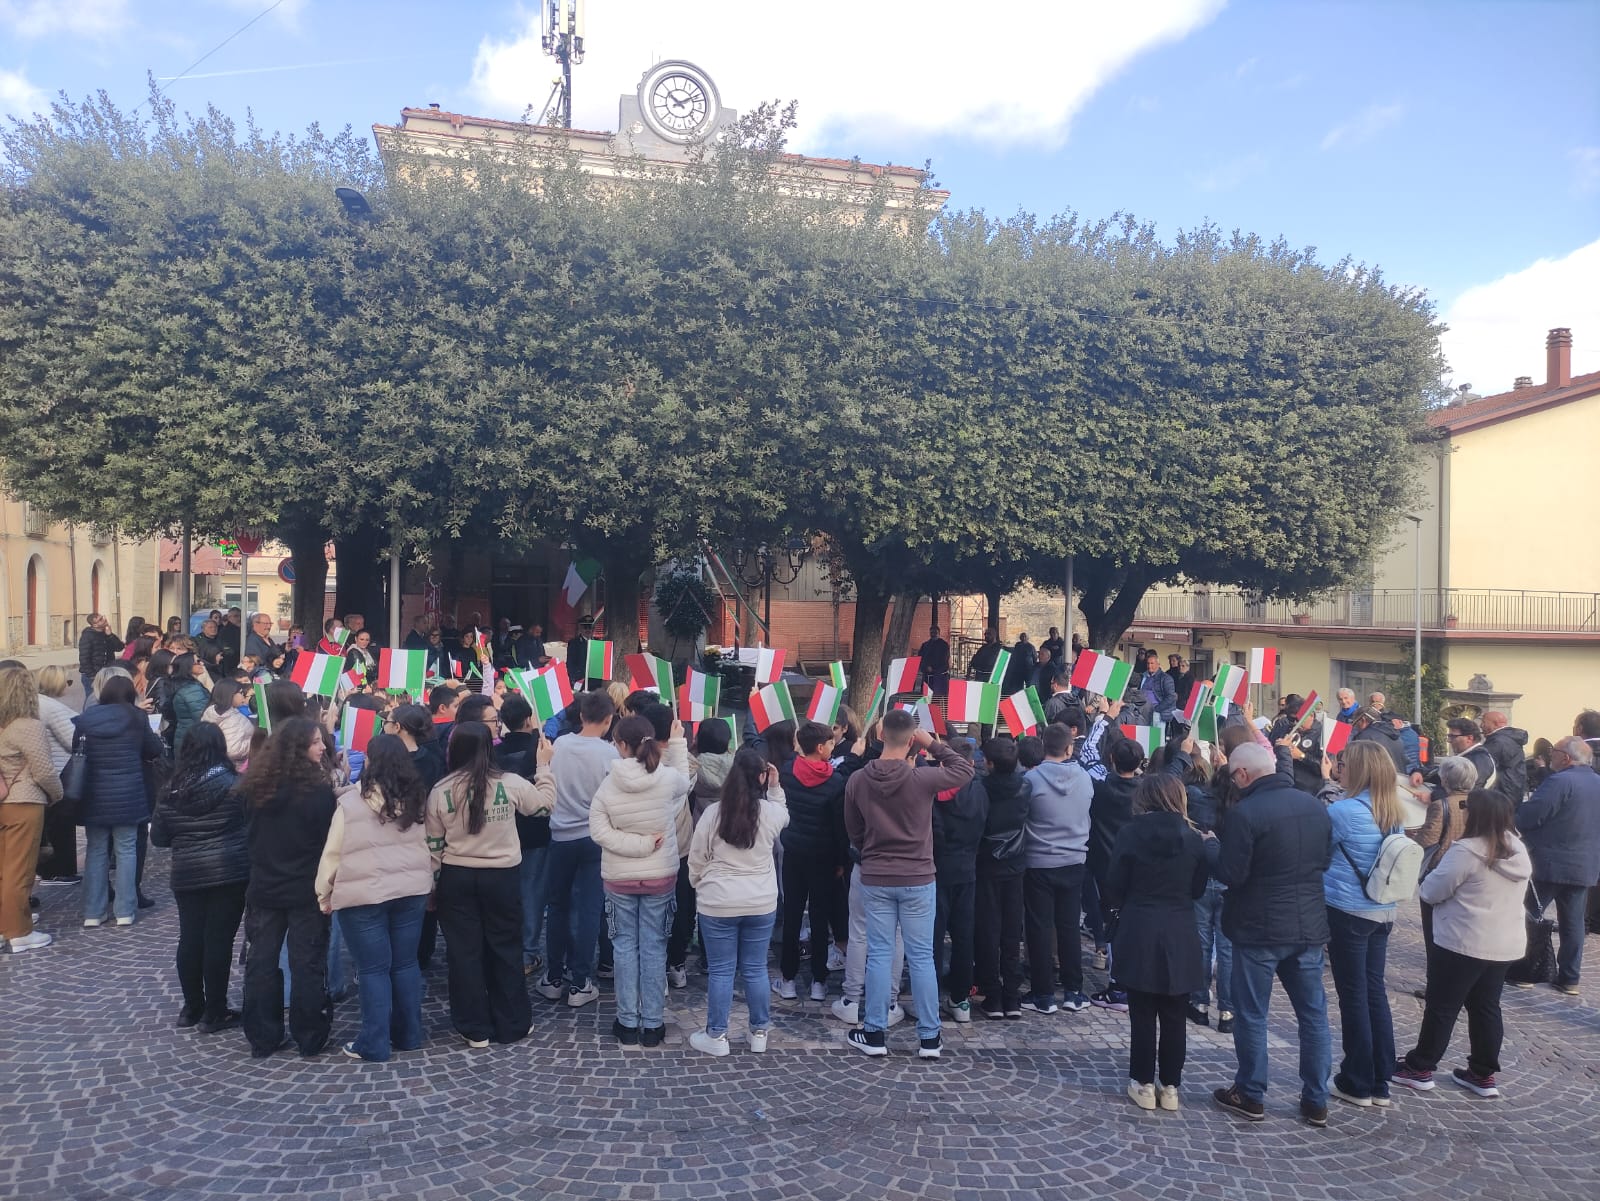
(733, 730)
(351, 680)
(698, 696)
(997, 673)
(597, 660)
(519, 680)
(836, 676)
(1306, 707)
(317, 674)
(1148, 737)
(973, 700)
(770, 704)
(1263, 665)
(1199, 701)
(403, 671)
(928, 717)
(1335, 734)
(1101, 674)
(903, 675)
(549, 690)
(1022, 712)
(877, 698)
(769, 664)
(1233, 683)
(651, 672)
(1206, 725)
(357, 727)
(580, 575)
(263, 718)
(824, 704)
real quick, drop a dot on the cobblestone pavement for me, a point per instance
(101, 1097)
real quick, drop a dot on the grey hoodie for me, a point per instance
(580, 766)
(1058, 822)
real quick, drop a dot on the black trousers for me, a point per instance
(310, 1012)
(429, 940)
(480, 912)
(957, 916)
(682, 920)
(1051, 900)
(807, 878)
(61, 832)
(1456, 982)
(1591, 913)
(999, 939)
(1146, 1012)
(208, 920)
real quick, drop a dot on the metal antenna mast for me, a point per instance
(562, 41)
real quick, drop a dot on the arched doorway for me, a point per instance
(35, 588)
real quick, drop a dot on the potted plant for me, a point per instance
(1449, 621)
(1301, 619)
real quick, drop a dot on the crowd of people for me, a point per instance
(608, 841)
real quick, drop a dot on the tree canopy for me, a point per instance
(514, 347)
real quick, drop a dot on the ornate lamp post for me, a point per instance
(765, 563)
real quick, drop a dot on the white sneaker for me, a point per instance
(678, 977)
(125, 921)
(785, 989)
(848, 1012)
(896, 1016)
(819, 992)
(1167, 1098)
(34, 941)
(710, 1044)
(758, 1041)
(579, 997)
(835, 959)
(477, 1044)
(1142, 1095)
(89, 923)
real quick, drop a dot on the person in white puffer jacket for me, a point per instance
(634, 820)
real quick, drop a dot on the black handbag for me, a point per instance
(75, 779)
(1538, 966)
(1001, 847)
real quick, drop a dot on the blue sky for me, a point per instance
(1455, 144)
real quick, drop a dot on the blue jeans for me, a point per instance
(574, 896)
(97, 870)
(737, 943)
(1299, 970)
(639, 928)
(1569, 899)
(911, 908)
(534, 862)
(1208, 917)
(1357, 950)
(383, 939)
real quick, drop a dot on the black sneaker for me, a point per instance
(1224, 1022)
(995, 1011)
(228, 1019)
(628, 1036)
(1315, 1115)
(652, 1036)
(1040, 1004)
(1199, 1016)
(868, 1042)
(605, 972)
(187, 1017)
(1233, 1100)
(58, 881)
(929, 1048)
(1484, 1086)
(145, 902)
(1110, 998)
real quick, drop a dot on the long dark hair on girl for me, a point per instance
(779, 737)
(470, 747)
(283, 766)
(389, 770)
(183, 669)
(1491, 818)
(204, 750)
(739, 811)
(636, 736)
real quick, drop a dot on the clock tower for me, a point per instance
(675, 109)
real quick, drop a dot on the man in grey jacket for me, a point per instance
(1560, 825)
(1057, 842)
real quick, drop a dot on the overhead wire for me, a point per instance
(174, 78)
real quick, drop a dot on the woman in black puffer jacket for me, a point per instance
(202, 818)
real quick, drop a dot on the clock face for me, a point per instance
(679, 101)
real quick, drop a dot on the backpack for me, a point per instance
(1394, 872)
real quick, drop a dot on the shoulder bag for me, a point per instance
(75, 779)
(1538, 965)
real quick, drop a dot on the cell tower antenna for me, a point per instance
(563, 41)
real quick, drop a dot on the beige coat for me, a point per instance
(1477, 904)
(237, 731)
(25, 763)
(497, 844)
(366, 861)
(632, 807)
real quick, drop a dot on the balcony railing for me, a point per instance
(1498, 611)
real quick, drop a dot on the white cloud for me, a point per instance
(1585, 168)
(18, 96)
(1497, 330)
(1365, 125)
(80, 18)
(999, 74)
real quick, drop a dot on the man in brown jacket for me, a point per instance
(888, 814)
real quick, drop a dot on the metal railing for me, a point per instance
(1487, 611)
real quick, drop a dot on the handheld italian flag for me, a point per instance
(597, 660)
(357, 728)
(1335, 734)
(997, 673)
(549, 691)
(903, 674)
(518, 680)
(1232, 683)
(973, 700)
(580, 575)
(836, 676)
(770, 704)
(351, 680)
(403, 671)
(1022, 712)
(769, 664)
(698, 696)
(1148, 737)
(928, 718)
(733, 729)
(1101, 674)
(651, 672)
(824, 704)
(1264, 665)
(263, 718)
(877, 698)
(1207, 724)
(1198, 703)
(317, 674)
(1307, 707)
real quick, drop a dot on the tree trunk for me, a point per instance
(1108, 615)
(992, 595)
(307, 549)
(898, 638)
(362, 557)
(866, 666)
(622, 605)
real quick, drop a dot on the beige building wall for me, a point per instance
(1556, 682)
(1396, 567)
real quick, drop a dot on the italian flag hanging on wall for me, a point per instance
(357, 728)
(973, 700)
(597, 660)
(771, 704)
(403, 671)
(317, 675)
(1101, 674)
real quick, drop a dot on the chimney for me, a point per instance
(433, 104)
(1558, 358)
(1523, 381)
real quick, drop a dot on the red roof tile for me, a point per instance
(1505, 405)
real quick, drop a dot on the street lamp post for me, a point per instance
(780, 563)
(1416, 667)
